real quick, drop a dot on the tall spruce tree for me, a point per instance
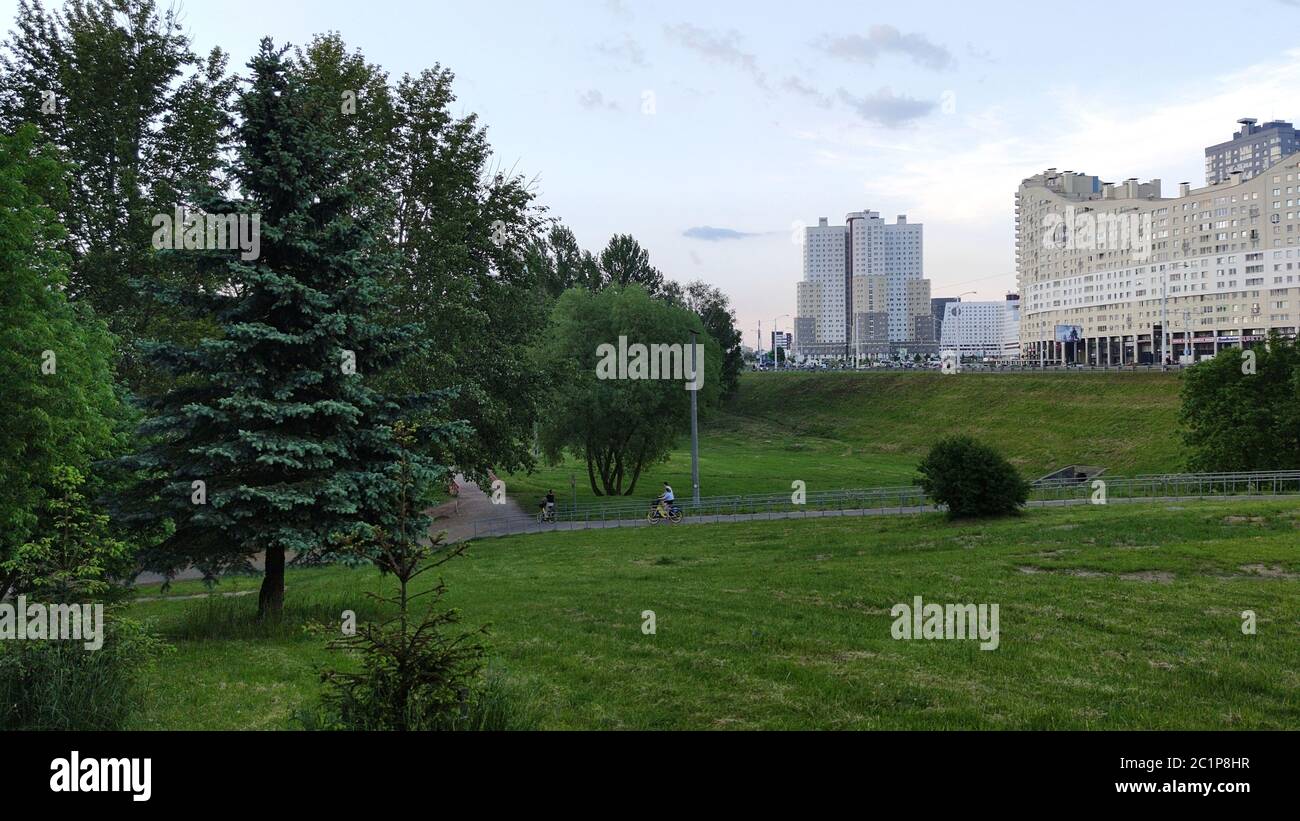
(277, 414)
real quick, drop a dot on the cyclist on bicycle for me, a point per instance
(548, 506)
(665, 501)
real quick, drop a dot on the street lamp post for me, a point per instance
(695, 425)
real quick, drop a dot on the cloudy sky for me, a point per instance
(710, 130)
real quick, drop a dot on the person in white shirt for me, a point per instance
(666, 500)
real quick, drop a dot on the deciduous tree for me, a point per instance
(1241, 409)
(58, 408)
(621, 422)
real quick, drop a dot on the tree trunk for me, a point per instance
(591, 475)
(270, 601)
(603, 465)
(636, 470)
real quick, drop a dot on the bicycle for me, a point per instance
(654, 516)
(546, 515)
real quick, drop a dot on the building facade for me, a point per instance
(983, 329)
(1251, 150)
(1115, 274)
(863, 288)
(1011, 327)
(938, 307)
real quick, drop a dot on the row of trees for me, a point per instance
(229, 407)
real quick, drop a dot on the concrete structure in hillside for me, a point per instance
(984, 329)
(1251, 150)
(855, 274)
(1115, 274)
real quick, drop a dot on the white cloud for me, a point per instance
(959, 177)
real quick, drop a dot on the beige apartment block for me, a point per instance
(870, 294)
(916, 304)
(1117, 274)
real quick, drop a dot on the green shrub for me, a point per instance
(73, 557)
(60, 685)
(972, 479)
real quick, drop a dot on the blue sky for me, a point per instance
(768, 115)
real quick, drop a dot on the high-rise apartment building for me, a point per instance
(1251, 150)
(1112, 274)
(822, 296)
(863, 288)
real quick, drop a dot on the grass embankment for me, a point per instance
(846, 430)
(1110, 617)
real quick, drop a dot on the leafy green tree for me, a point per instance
(673, 293)
(139, 119)
(714, 309)
(277, 416)
(972, 479)
(619, 425)
(1241, 409)
(624, 262)
(561, 263)
(58, 413)
(359, 93)
(462, 233)
(58, 408)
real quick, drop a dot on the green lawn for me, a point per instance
(1110, 617)
(846, 430)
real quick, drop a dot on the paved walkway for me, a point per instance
(505, 527)
(460, 517)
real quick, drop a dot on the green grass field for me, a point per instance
(846, 430)
(1110, 617)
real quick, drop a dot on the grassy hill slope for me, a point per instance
(847, 430)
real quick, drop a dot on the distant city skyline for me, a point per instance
(714, 134)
